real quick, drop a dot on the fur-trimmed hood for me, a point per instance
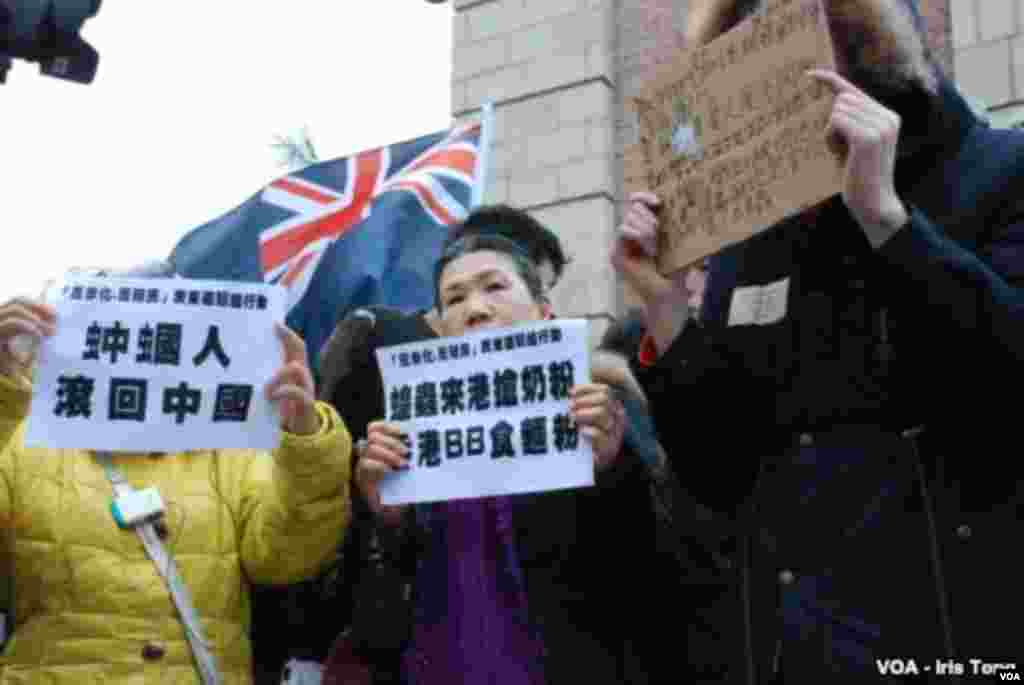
(887, 35)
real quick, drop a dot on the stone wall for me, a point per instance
(988, 53)
(548, 66)
(559, 72)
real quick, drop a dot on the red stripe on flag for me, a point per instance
(462, 160)
(296, 269)
(425, 194)
(282, 248)
(303, 191)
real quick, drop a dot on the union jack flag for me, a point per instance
(346, 233)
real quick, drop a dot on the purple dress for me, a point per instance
(471, 624)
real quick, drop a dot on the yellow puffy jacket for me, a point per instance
(90, 605)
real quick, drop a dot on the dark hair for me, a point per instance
(539, 243)
(525, 267)
(625, 335)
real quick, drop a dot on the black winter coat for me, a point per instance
(865, 441)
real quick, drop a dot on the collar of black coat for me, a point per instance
(931, 124)
(932, 128)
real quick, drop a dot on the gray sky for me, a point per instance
(177, 126)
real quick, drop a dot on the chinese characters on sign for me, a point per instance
(732, 133)
(144, 364)
(145, 293)
(488, 413)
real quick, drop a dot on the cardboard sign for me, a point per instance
(488, 413)
(158, 365)
(732, 134)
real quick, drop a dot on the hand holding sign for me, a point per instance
(635, 256)
(636, 249)
(384, 453)
(639, 230)
(867, 134)
(487, 414)
(729, 133)
(25, 319)
(601, 419)
(293, 387)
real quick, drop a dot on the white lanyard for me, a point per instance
(165, 565)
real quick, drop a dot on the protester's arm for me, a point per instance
(23, 324)
(295, 503)
(703, 402)
(613, 370)
(15, 396)
(976, 298)
(963, 293)
(969, 309)
(295, 506)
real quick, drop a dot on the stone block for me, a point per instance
(591, 175)
(1018, 66)
(983, 72)
(507, 82)
(533, 116)
(564, 145)
(508, 156)
(585, 228)
(965, 22)
(491, 19)
(532, 188)
(996, 19)
(593, 99)
(554, 71)
(538, 11)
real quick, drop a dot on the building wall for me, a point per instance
(651, 33)
(559, 73)
(548, 66)
(988, 48)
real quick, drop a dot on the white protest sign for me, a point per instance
(488, 413)
(158, 365)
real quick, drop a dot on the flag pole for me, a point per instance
(483, 162)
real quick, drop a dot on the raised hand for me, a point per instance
(666, 298)
(292, 386)
(864, 135)
(22, 319)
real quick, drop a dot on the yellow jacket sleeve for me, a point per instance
(15, 396)
(295, 504)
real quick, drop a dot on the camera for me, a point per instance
(46, 31)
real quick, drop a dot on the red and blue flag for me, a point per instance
(346, 233)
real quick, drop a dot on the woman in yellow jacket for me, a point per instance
(90, 606)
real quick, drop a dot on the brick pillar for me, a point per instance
(988, 44)
(937, 23)
(548, 67)
(559, 72)
(650, 34)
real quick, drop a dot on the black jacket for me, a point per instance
(860, 538)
